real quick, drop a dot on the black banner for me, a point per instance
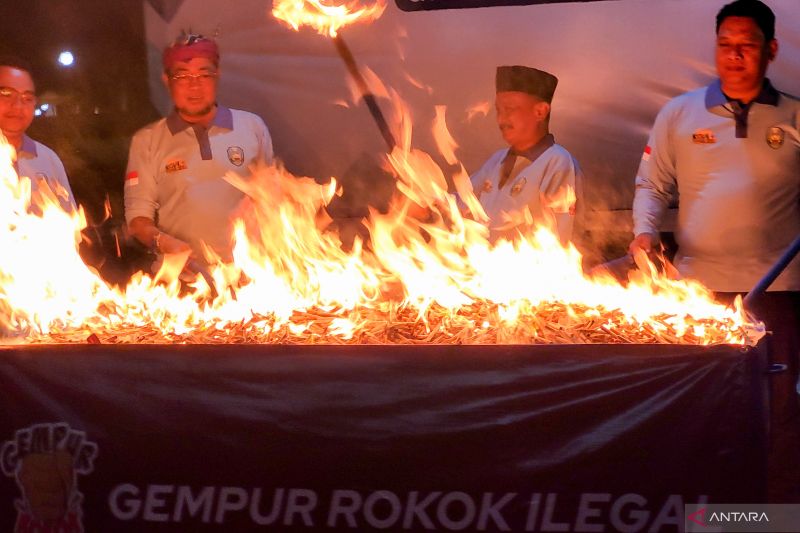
(423, 5)
(366, 438)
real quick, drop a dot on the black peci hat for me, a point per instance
(527, 80)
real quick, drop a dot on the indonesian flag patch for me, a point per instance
(646, 154)
(132, 178)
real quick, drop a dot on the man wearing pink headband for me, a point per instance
(175, 196)
(187, 48)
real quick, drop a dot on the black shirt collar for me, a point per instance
(536, 150)
(768, 95)
(223, 118)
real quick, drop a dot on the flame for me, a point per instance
(43, 282)
(481, 108)
(436, 279)
(565, 201)
(444, 141)
(327, 18)
(373, 82)
(447, 147)
(418, 84)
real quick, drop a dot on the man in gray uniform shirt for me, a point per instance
(175, 196)
(535, 181)
(731, 151)
(17, 104)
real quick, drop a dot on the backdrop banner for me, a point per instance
(368, 438)
(417, 5)
(618, 62)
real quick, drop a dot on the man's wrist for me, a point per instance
(642, 229)
(157, 242)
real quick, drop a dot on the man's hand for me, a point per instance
(167, 244)
(146, 232)
(646, 242)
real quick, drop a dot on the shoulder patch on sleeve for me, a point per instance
(132, 178)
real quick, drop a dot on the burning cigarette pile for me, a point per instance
(548, 323)
(435, 282)
(291, 282)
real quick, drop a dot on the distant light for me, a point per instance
(66, 58)
(44, 107)
(37, 112)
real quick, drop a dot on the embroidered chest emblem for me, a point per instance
(775, 137)
(236, 155)
(704, 137)
(487, 186)
(176, 165)
(518, 186)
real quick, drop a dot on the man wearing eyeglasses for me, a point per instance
(17, 105)
(176, 199)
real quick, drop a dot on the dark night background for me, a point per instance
(95, 105)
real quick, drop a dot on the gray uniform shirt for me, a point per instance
(737, 177)
(545, 179)
(41, 164)
(175, 174)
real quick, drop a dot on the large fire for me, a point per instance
(438, 281)
(434, 281)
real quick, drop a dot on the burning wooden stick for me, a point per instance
(366, 94)
(327, 20)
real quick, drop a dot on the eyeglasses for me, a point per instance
(10, 95)
(186, 79)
